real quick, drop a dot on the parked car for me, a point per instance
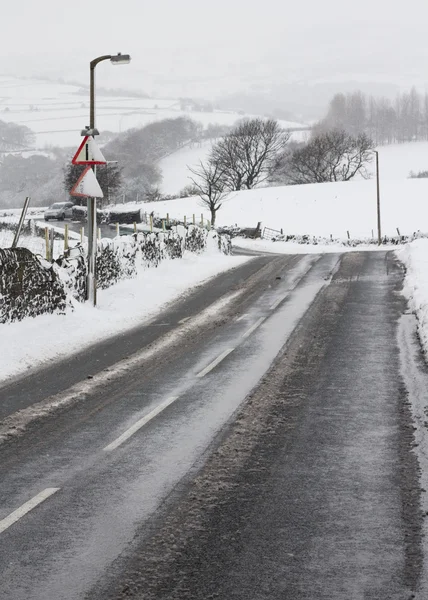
(60, 211)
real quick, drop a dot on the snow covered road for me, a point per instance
(161, 482)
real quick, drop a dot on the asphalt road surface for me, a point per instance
(253, 442)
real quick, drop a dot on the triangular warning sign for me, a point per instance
(88, 153)
(87, 185)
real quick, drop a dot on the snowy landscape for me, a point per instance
(214, 313)
(331, 214)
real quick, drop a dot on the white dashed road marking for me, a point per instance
(25, 508)
(215, 362)
(139, 424)
(278, 302)
(253, 327)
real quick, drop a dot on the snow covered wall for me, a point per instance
(29, 286)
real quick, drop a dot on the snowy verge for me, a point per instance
(414, 256)
(259, 245)
(32, 343)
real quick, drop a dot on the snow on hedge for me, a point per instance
(30, 286)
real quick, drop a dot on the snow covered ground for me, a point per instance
(395, 162)
(319, 209)
(57, 112)
(415, 258)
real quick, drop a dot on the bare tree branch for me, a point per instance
(209, 182)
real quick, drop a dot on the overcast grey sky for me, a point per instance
(300, 40)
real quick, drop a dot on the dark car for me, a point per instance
(60, 211)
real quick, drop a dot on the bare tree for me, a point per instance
(248, 154)
(209, 183)
(330, 156)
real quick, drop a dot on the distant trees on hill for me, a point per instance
(152, 142)
(139, 150)
(386, 121)
(15, 137)
(328, 156)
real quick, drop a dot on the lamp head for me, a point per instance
(120, 59)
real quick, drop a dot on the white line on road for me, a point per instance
(241, 317)
(215, 362)
(253, 327)
(278, 302)
(139, 424)
(183, 320)
(25, 508)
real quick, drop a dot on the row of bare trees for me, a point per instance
(258, 152)
(386, 121)
(244, 158)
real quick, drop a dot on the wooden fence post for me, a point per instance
(51, 245)
(47, 242)
(65, 237)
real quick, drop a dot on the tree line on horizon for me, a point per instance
(385, 121)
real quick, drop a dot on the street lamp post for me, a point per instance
(91, 287)
(379, 232)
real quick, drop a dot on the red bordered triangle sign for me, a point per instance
(88, 153)
(87, 185)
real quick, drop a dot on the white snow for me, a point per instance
(34, 342)
(57, 112)
(319, 209)
(415, 258)
(260, 245)
(331, 209)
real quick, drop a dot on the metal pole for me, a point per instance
(379, 232)
(92, 202)
(21, 222)
(92, 66)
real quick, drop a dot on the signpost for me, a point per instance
(87, 186)
(88, 153)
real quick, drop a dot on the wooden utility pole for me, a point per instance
(379, 231)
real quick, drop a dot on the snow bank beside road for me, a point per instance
(415, 258)
(259, 245)
(35, 342)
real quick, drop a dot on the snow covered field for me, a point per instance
(58, 112)
(395, 162)
(319, 209)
